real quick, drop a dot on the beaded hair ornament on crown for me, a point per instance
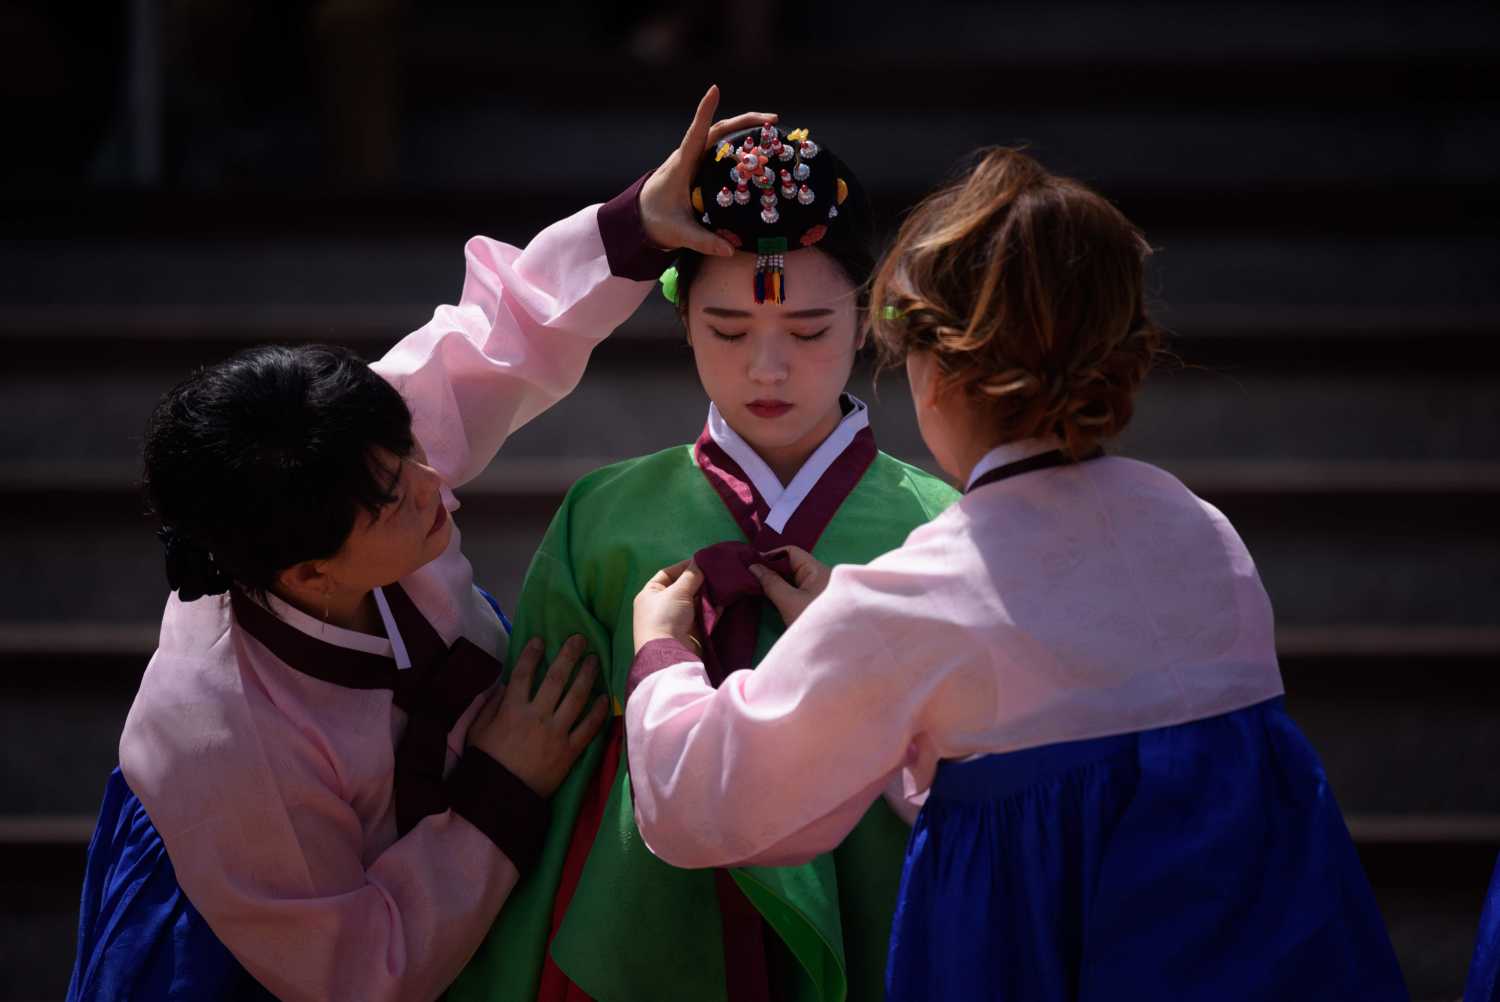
(766, 191)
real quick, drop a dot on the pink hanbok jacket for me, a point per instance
(1076, 602)
(263, 742)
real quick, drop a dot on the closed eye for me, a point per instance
(726, 336)
(393, 507)
(809, 337)
(397, 499)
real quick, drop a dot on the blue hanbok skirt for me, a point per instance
(1205, 861)
(1484, 972)
(139, 938)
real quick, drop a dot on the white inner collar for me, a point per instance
(785, 500)
(394, 647)
(1011, 452)
(398, 646)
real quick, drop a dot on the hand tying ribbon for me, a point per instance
(730, 603)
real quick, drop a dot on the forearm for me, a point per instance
(782, 761)
(721, 782)
(521, 334)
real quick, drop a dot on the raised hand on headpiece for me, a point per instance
(666, 198)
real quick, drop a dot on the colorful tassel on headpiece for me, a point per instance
(770, 270)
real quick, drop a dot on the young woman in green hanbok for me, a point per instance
(786, 458)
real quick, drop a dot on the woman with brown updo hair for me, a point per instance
(1073, 668)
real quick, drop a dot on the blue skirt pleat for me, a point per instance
(1204, 861)
(1484, 972)
(139, 938)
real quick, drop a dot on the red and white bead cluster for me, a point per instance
(752, 167)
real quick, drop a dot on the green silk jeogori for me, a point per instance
(638, 928)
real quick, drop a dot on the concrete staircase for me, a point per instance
(1319, 184)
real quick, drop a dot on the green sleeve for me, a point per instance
(508, 964)
(934, 495)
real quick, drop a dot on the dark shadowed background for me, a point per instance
(186, 177)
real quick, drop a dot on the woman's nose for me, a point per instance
(767, 361)
(429, 484)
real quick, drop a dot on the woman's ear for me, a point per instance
(308, 580)
(932, 394)
(922, 376)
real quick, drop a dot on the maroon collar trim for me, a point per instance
(1041, 461)
(434, 692)
(832, 490)
(342, 666)
(423, 642)
(750, 510)
(732, 484)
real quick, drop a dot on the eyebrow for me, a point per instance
(719, 311)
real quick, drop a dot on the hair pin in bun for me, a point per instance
(768, 192)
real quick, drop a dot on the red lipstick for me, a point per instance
(437, 523)
(768, 408)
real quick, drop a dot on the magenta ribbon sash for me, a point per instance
(729, 609)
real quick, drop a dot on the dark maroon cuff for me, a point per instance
(630, 254)
(491, 798)
(653, 657)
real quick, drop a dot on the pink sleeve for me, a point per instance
(516, 343)
(778, 764)
(278, 862)
(312, 922)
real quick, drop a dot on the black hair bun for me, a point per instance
(191, 570)
(769, 192)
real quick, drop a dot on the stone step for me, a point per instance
(1392, 714)
(136, 336)
(1385, 545)
(1197, 121)
(533, 477)
(1102, 131)
(1168, 34)
(99, 654)
(1399, 717)
(1432, 924)
(104, 655)
(1403, 85)
(1400, 732)
(1378, 833)
(1113, 147)
(1235, 397)
(390, 282)
(1279, 208)
(1434, 934)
